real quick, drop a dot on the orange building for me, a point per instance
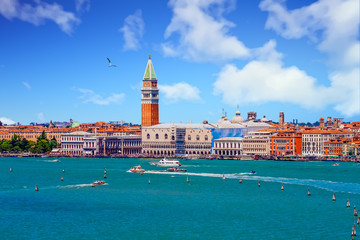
(286, 142)
(334, 147)
(149, 97)
(31, 133)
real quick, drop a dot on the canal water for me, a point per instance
(206, 207)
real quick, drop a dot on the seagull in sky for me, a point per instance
(110, 65)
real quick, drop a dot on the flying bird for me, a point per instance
(110, 65)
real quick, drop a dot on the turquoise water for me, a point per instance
(128, 207)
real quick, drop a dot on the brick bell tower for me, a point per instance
(149, 97)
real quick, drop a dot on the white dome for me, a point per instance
(237, 118)
(264, 119)
(221, 120)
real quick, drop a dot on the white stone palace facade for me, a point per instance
(177, 138)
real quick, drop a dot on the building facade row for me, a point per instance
(82, 143)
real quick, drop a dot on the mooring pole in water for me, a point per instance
(353, 232)
(355, 212)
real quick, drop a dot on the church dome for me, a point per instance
(226, 120)
(264, 119)
(221, 120)
(237, 118)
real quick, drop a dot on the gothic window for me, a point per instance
(148, 136)
(206, 138)
(189, 137)
(197, 138)
(166, 136)
(173, 138)
(157, 136)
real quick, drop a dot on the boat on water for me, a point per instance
(336, 164)
(252, 172)
(175, 169)
(137, 169)
(97, 182)
(167, 163)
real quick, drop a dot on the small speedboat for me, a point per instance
(137, 169)
(97, 182)
(252, 172)
(336, 164)
(174, 169)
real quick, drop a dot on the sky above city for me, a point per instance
(210, 56)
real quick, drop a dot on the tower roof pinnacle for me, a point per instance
(149, 71)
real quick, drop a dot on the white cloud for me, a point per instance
(40, 116)
(6, 121)
(27, 85)
(345, 91)
(89, 96)
(334, 25)
(265, 79)
(203, 32)
(82, 5)
(133, 30)
(180, 92)
(38, 13)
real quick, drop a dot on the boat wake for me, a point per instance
(55, 160)
(352, 188)
(201, 174)
(80, 185)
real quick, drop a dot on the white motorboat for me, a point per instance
(167, 163)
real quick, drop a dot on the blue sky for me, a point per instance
(267, 56)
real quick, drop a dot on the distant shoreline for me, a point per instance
(208, 157)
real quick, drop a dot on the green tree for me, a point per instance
(43, 146)
(16, 149)
(5, 146)
(42, 136)
(23, 144)
(30, 145)
(53, 143)
(15, 140)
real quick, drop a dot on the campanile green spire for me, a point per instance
(149, 71)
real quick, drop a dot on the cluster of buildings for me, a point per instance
(227, 138)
